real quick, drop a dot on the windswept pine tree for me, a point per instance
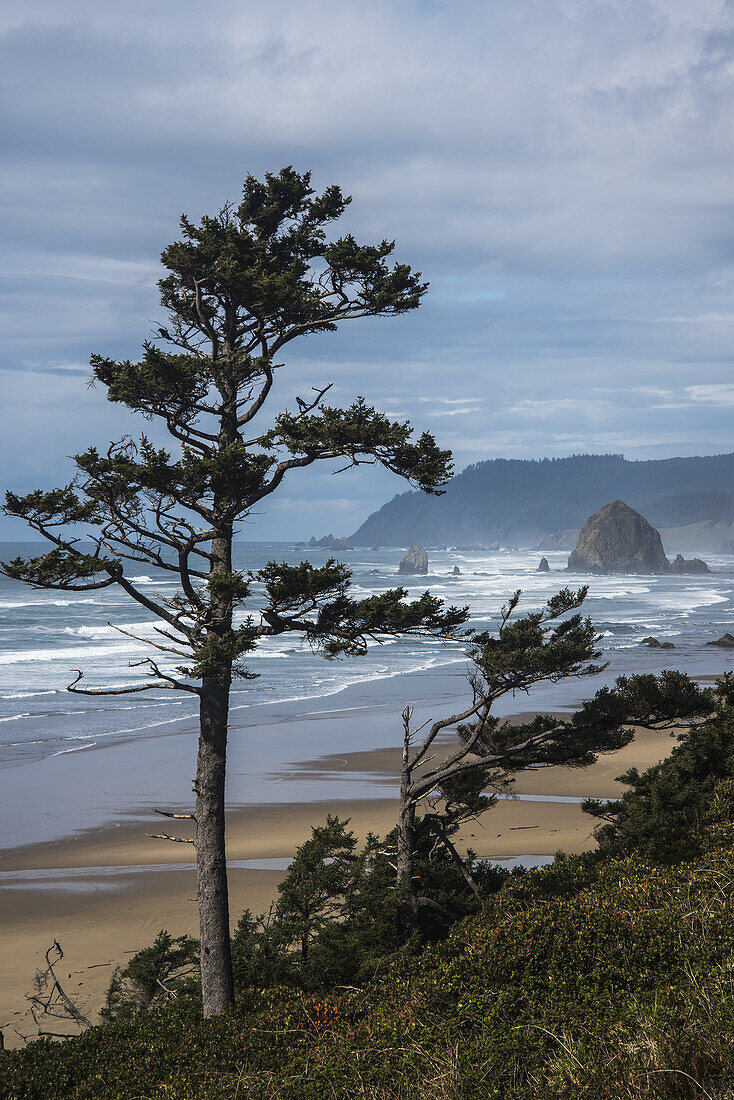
(549, 645)
(240, 287)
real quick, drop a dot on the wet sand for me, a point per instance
(135, 886)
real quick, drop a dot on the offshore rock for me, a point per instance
(414, 562)
(617, 539)
(726, 641)
(655, 643)
(328, 542)
(456, 572)
(543, 566)
(688, 565)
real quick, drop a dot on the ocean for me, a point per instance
(44, 636)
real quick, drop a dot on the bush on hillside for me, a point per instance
(164, 971)
(606, 981)
(659, 816)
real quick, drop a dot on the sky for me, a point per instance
(560, 171)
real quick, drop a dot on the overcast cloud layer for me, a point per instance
(559, 170)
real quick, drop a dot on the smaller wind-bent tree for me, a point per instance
(313, 892)
(239, 288)
(160, 972)
(545, 646)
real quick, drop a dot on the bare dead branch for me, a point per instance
(148, 641)
(167, 836)
(105, 691)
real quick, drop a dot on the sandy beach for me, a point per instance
(105, 894)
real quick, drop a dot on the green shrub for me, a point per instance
(164, 971)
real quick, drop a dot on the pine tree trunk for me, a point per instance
(406, 847)
(217, 979)
(217, 983)
(406, 825)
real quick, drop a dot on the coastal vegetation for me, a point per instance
(440, 793)
(606, 975)
(239, 288)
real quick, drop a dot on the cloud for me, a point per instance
(560, 171)
(722, 394)
(554, 405)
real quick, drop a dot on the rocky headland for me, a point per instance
(559, 540)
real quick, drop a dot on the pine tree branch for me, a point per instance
(442, 724)
(257, 404)
(460, 863)
(434, 779)
(483, 711)
(185, 431)
(280, 471)
(151, 605)
(170, 681)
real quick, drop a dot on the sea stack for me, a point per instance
(543, 566)
(688, 565)
(414, 562)
(617, 539)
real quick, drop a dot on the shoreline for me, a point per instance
(136, 885)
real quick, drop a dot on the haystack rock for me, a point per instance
(617, 539)
(456, 572)
(415, 561)
(543, 566)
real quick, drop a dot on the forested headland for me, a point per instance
(522, 500)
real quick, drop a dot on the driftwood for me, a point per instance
(50, 1000)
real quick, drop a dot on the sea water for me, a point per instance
(46, 636)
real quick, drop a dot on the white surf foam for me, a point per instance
(78, 653)
(11, 605)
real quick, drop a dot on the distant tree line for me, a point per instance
(518, 500)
